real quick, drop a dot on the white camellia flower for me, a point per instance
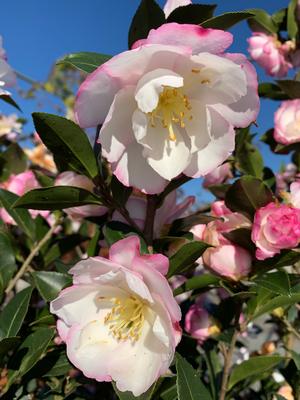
(170, 105)
(120, 320)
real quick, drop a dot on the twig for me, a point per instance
(227, 364)
(291, 328)
(32, 254)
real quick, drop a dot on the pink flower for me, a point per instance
(295, 194)
(70, 178)
(275, 227)
(269, 53)
(287, 122)
(9, 125)
(165, 215)
(120, 320)
(170, 105)
(226, 258)
(20, 184)
(219, 175)
(7, 75)
(199, 324)
(286, 176)
(171, 5)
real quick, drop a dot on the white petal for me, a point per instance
(199, 127)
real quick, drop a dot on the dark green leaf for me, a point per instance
(280, 18)
(226, 20)
(148, 16)
(262, 21)
(56, 198)
(12, 161)
(50, 283)
(29, 353)
(120, 192)
(170, 393)
(9, 100)
(284, 259)
(93, 246)
(254, 366)
(22, 217)
(85, 61)
(44, 180)
(278, 282)
(7, 261)
(61, 366)
(192, 14)
(241, 237)
(198, 282)
(219, 190)
(279, 301)
(290, 87)
(184, 224)
(68, 143)
(12, 316)
(114, 231)
(248, 194)
(63, 246)
(186, 256)
(189, 384)
(292, 26)
(7, 344)
(271, 91)
(130, 396)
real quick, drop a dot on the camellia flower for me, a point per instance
(287, 122)
(9, 125)
(171, 5)
(7, 75)
(295, 194)
(165, 215)
(269, 53)
(69, 178)
(20, 184)
(170, 105)
(119, 319)
(219, 175)
(275, 227)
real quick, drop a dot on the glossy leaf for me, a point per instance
(50, 283)
(254, 366)
(12, 161)
(290, 87)
(9, 100)
(7, 260)
(13, 314)
(21, 217)
(120, 192)
(61, 366)
(272, 91)
(189, 384)
(198, 282)
(292, 26)
(262, 21)
(130, 396)
(278, 282)
(279, 301)
(185, 256)
(192, 14)
(148, 16)
(62, 246)
(227, 20)
(68, 143)
(85, 61)
(56, 198)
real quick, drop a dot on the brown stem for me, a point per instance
(149, 221)
(227, 365)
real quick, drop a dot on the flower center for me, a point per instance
(173, 108)
(126, 318)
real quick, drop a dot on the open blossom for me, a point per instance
(165, 215)
(275, 227)
(287, 122)
(226, 258)
(20, 184)
(295, 194)
(119, 319)
(9, 125)
(219, 175)
(70, 178)
(171, 5)
(269, 53)
(170, 105)
(7, 75)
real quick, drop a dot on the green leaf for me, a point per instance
(12, 161)
(61, 366)
(68, 143)
(9, 100)
(248, 194)
(94, 246)
(198, 282)
(279, 301)
(7, 261)
(184, 224)
(242, 237)
(169, 394)
(85, 61)
(21, 217)
(50, 283)
(186, 256)
(278, 282)
(56, 198)
(12, 316)
(189, 384)
(226, 20)
(114, 231)
(284, 259)
(192, 14)
(290, 87)
(120, 193)
(63, 246)
(254, 366)
(130, 396)
(292, 26)
(280, 17)
(262, 21)
(29, 353)
(296, 359)
(148, 16)
(7, 344)
(272, 91)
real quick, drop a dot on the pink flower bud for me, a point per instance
(199, 324)
(287, 122)
(219, 175)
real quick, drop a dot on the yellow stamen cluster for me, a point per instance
(126, 318)
(173, 108)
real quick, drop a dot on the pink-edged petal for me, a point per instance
(133, 170)
(97, 92)
(62, 329)
(171, 5)
(195, 37)
(156, 261)
(218, 149)
(245, 110)
(116, 132)
(124, 251)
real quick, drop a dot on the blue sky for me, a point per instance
(36, 33)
